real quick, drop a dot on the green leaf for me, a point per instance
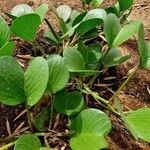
(90, 124)
(10, 16)
(51, 38)
(91, 20)
(68, 103)
(94, 55)
(21, 9)
(64, 11)
(126, 32)
(63, 26)
(97, 3)
(54, 34)
(83, 49)
(73, 16)
(42, 10)
(4, 32)
(92, 121)
(125, 4)
(88, 25)
(140, 123)
(114, 58)
(73, 59)
(123, 117)
(58, 73)
(45, 148)
(87, 1)
(90, 34)
(95, 13)
(36, 78)
(11, 81)
(7, 49)
(41, 119)
(26, 26)
(28, 142)
(88, 142)
(144, 49)
(112, 27)
(79, 18)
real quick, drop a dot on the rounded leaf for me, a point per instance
(41, 119)
(64, 12)
(97, 3)
(140, 123)
(11, 81)
(4, 32)
(21, 9)
(58, 74)
(92, 121)
(42, 10)
(68, 103)
(26, 26)
(88, 142)
(36, 78)
(73, 59)
(90, 126)
(125, 5)
(7, 49)
(28, 142)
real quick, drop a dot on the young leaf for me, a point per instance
(58, 74)
(11, 81)
(64, 12)
(4, 32)
(68, 103)
(90, 34)
(91, 20)
(28, 142)
(63, 26)
(79, 18)
(140, 123)
(95, 13)
(90, 124)
(26, 26)
(73, 59)
(51, 38)
(114, 58)
(94, 55)
(21, 9)
(42, 10)
(73, 16)
(97, 3)
(125, 4)
(144, 49)
(112, 27)
(41, 119)
(88, 25)
(7, 49)
(126, 32)
(54, 34)
(36, 78)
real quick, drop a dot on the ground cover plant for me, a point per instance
(86, 47)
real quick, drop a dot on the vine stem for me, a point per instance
(29, 117)
(124, 84)
(5, 147)
(52, 111)
(104, 102)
